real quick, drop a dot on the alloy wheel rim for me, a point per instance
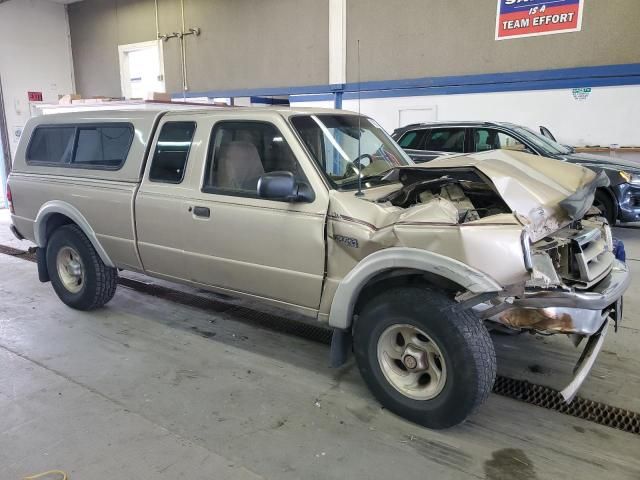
(412, 362)
(70, 269)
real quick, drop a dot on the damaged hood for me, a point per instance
(544, 193)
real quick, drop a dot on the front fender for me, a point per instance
(347, 293)
(68, 210)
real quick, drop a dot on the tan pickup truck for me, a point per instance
(320, 212)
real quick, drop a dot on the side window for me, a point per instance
(508, 142)
(51, 145)
(413, 140)
(489, 139)
(105, 147)
(484, 140)
(446, 140)
(172, 151)
(241, 152)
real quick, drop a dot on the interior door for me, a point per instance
(408, 116)
(141, 69)
(247, 244)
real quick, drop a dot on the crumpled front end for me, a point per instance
(576, 288)
(523, 221)
(576, 284)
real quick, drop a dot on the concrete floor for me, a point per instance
(147, 389)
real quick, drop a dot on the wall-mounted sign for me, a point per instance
(16, 133)
(34, 96)
(581, 94)
(530, 18)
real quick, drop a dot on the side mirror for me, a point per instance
(282, 186)
(545, 132)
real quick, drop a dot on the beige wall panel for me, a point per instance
(244, 43)
(402, 39)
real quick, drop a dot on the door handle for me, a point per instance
(201, 212)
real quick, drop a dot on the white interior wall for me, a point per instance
(609, 115)
(35, 55)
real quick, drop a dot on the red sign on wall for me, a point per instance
(35, 96)
(530, 18)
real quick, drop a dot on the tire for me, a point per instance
(467, 358)
(87, 288)
(603, 202)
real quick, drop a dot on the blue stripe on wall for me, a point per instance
(600, 76)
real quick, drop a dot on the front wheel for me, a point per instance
(603, 202)
(421, 360)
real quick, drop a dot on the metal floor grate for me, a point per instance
(531, 393)
(551, 399)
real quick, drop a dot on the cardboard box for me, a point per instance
(68, 98)
(159, 97)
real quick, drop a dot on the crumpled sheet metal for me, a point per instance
(545, 193)
(491, 244)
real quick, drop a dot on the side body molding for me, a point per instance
(64, 208)
(346, 295)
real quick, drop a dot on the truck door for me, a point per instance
(239, 242)
(161, 203)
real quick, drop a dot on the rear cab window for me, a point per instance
(446, 140)
(172, 152)
(94, 146)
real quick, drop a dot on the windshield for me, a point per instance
(543, 143)
(335, 140)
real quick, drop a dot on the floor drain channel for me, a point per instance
(521, 390)
(551, 399)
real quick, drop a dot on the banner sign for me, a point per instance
(530, 18)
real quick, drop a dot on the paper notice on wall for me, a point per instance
(16, 133)
(581, 94)
(531, 18)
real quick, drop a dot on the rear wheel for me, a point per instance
(78, 275)
(421, 360)
(603, 202)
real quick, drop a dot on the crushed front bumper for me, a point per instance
(574, 312)
(567, 311)
(585, 363)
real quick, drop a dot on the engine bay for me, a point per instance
(473, 195)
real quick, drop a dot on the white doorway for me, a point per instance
(408, 116)
(141, 69)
